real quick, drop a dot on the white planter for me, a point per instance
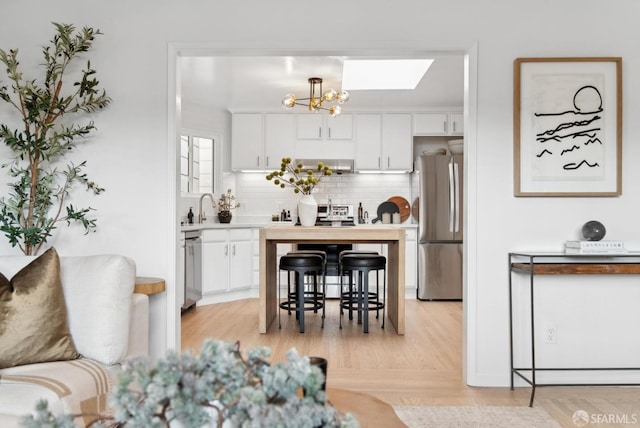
(307, 210)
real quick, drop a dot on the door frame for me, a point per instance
(470, 52)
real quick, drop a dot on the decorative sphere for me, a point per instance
(593, 230)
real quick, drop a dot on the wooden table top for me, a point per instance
(335, 234)
(149, 285)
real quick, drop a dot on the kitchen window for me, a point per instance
(197, 163)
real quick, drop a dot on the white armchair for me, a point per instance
(108, 323)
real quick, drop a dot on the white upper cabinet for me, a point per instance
(260, 141)
(368, 142)
(456, 123)
(320, 126)
(278, 139)
(397, 142)
(247, 141)
(438, 124)
(384, 142)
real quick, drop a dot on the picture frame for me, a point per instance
(567, 116)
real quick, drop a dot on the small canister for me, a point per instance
(396, 218)
(386, 218)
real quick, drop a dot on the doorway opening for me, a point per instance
(179, 52)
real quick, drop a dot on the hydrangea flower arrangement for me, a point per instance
(220, 387)
(294, 176)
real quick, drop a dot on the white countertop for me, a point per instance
(257, 222)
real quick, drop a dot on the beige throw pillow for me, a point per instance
(33, 315)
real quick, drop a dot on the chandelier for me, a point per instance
(317, 97)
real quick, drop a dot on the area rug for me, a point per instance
(469, 416)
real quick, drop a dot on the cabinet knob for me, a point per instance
(233, 251)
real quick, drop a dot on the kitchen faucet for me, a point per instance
(213, 205)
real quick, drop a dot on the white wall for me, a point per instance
(130, 156)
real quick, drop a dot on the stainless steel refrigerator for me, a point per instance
(440, 227)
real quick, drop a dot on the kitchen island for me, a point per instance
(393, 237)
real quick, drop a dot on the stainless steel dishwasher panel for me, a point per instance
(192, 269)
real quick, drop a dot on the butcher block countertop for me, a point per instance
(360, 233)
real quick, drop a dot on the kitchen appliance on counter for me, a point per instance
(192, 269)
(440, 226)
(335, 215)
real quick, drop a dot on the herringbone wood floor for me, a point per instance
(423, 367)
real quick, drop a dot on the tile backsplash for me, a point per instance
(261, 197)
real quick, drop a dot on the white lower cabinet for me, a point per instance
(226, 260)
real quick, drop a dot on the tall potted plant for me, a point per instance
(44, 133)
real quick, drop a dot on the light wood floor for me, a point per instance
(423, 367)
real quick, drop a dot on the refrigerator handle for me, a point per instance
(452, 195)
(456, 197)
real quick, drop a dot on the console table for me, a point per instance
(540, 263)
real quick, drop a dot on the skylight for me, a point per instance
(383, 74)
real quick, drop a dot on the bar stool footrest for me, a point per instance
(353, 295)
(309, 305)
(373, 305)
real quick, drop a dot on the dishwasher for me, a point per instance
(192, 269)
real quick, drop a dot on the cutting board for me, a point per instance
(403, 206)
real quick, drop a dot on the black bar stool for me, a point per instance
(350, 295)
(363, 264)
(310, 294)
(301, 264)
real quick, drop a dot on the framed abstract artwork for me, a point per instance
(567, 126)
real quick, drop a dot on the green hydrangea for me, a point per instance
(219, 387)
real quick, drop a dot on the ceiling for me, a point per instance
(258, 83)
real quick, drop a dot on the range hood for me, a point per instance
(338, 166)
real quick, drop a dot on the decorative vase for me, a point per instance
(224, 216)
(593, 230)
(307, 210)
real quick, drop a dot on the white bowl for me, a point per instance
(456, 147)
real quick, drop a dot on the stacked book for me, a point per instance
(594, 247)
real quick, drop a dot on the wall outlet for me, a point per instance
(551, 335)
